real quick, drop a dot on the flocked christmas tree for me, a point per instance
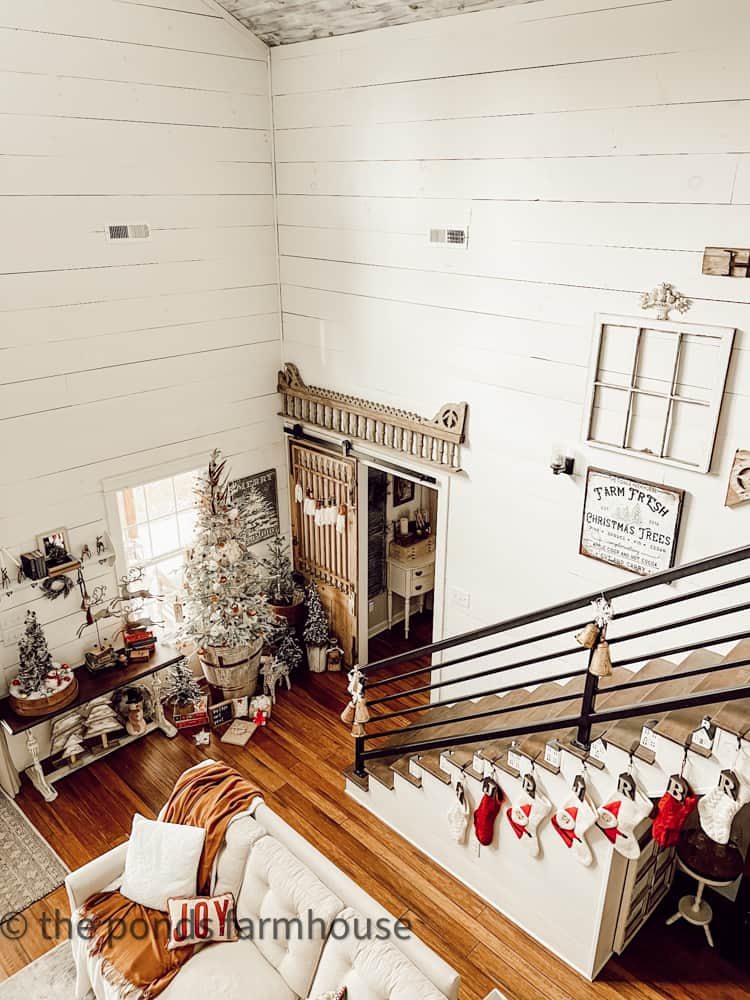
(316, 626)
(224, 605)
(181, 687)
(277, 570)
(35, 660)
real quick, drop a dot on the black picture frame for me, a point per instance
(403, 491)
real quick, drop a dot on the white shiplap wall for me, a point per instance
(118, 358)
(593, 147)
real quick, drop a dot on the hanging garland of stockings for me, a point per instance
(58, 586)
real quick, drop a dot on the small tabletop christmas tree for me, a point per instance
(279, 579)
(181, 687)
(288, 650)
(35, 660)
(225, 605)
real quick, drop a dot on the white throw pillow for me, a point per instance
(162, 861)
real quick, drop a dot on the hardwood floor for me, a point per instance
(298, 759)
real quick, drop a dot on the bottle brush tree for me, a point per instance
(35, 659)
(277, 572)
(180, 686)
(316, 626)
(225, 604)
(288, 650)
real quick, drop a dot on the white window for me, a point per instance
(158, 521)
(656, 388)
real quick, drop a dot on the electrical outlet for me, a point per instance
(461, 598)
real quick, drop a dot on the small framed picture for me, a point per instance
(403, 491)
(55, 546)
(220, 713)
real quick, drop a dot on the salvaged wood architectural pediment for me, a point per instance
(435, 441)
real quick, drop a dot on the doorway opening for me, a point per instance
(401, 525)
(378, 558)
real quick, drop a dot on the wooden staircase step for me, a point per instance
(655, 670)
(626, 734)
(678, 726)
(734, 716)
(401, 767)
(430, 762)
(381, 770)
(363, 783)
(463, 757)
(532, 746)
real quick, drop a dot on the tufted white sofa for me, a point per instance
(275, 873)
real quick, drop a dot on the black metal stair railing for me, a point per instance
(415, 737)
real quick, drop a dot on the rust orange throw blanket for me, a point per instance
(139, 964)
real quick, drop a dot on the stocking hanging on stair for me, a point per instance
(487, 810)
(620, 814)
(672, 812)
(718, 809)
(458, 814)
(530, 810)
(574, 819)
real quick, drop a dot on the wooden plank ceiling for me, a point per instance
(280, 22)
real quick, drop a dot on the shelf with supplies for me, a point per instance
(11, 587)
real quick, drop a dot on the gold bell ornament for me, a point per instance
(361, 713)
(358, 729)
(347, 716)
(601, 662)
(589, 636)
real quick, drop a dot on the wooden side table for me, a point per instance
(410, 580)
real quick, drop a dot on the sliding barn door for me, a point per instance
(322, 551)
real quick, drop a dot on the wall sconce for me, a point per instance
(562, 461)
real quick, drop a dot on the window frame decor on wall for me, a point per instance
(672, 398)
(656, 501)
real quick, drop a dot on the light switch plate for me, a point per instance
(461, 598)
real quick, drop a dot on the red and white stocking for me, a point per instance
(525, 816)
(618, 817)
(672, 812)
(573, 820)
(487, 810)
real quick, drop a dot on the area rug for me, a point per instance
(51, 977)
(29, 868)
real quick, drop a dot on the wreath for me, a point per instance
(57, 586)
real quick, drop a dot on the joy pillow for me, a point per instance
(201, 920)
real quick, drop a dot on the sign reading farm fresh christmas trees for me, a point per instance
(630, 523)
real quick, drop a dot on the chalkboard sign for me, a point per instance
(260, 486)
(220, 713)
(630, 523)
